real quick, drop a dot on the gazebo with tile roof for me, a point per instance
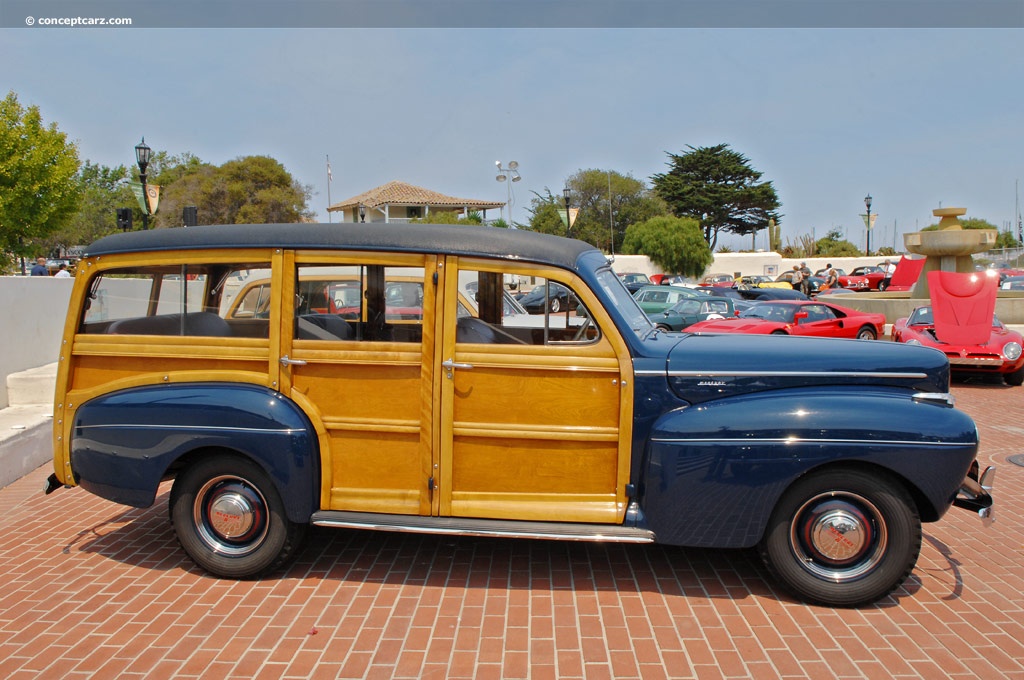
(400, 202)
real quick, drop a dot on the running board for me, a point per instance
(466, 526)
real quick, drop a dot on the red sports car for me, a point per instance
(798, 317)
(848, 281)
(1000, 354)
(874, 274)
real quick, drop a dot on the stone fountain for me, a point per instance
(949, 248)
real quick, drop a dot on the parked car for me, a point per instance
(787, 277)
(634, 281)
(691, 310)
(586, 425)
(654, 299)
(1000, 354)
(761, 281)
(555, 298)
(718, 280)
(874, 274)
(1012, 283)
(849, 281)
(795, 317)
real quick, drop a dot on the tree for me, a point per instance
(675, 244)
(834, 245)
(38, 190)
(719, 183)
(102, 190)
(607, 203)
(247, 190)
(449, 217)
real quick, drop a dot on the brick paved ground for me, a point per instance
(92, 589)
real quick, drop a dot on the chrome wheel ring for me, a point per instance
(230, 515)
(838, 536)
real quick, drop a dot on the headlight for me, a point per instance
(1011, 351)
(912, 342)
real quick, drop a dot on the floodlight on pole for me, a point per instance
(509, 174)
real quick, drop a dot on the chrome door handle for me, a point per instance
(449, 365)
(286, 361)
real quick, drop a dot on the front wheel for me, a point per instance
(230, 520)
(556, 306)
(1015, 379)
(843, 537)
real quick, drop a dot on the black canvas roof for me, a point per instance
(515, 244)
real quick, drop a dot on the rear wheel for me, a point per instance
(230, 520)
(843, 537)
(779, 332)
(556, 305)
(866, 333)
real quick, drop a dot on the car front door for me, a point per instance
(536, 410)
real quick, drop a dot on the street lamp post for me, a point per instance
(867, 204)
(362, 213)
(568, 217)
(508, 175)
(142, 155)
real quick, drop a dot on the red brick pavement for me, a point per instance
(92, 589)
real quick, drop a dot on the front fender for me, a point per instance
(714, 472)
(126, 442)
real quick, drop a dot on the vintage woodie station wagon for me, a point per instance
(380, 379)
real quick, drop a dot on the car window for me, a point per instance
(817, 313)
(550, 313)
(359, 303)
(168, 300)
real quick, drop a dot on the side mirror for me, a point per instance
(799, 316)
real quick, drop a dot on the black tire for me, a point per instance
(229, 518)
(843, 537)
(778, 332)
(556, 305)
(867, 333)
(1015, 379)
(667, 329)
(882, 285)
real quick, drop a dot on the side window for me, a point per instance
(359, 303)
(543, 312)
(190, 300)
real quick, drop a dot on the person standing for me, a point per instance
(798, 279)
(39, 268)
(805, 283)
(62, 272)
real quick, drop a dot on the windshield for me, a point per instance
(770, 312)
(624, 302)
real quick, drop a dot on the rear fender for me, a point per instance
(714, 472)
(126, 442)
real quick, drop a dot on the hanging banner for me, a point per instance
(153, 196)
(571, 219)
(874, 217)
(149, 202)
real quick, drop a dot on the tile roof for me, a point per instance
(402, 193)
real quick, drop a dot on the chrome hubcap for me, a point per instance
(838, 536)
(230, 516)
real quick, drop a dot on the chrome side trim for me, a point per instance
(737, 441)
(187, 428)
(482, 527)
(782, 374)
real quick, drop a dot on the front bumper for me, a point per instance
(975, 492)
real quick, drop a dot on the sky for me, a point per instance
(916, 115)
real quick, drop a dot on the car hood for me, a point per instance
(705, 367)
(962, 306)
(736, 325)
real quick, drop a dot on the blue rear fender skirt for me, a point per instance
(125, 443)
(714, 472)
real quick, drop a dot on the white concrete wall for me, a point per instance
(33, 309)
(764, 263)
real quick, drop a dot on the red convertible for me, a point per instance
(798, 317)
